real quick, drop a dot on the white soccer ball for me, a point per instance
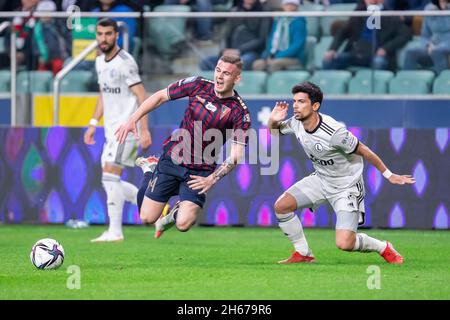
(47, 254)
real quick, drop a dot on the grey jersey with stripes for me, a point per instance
(331, 147)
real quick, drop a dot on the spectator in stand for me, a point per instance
(49, 42)
(286, 44)
(84, 5)
(244, 37)
(119, 6)
(405, 5)
(366, 47)
(204, 26)
(433, 50)
(24, 27)
(9, 5)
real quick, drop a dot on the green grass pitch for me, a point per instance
(221, 263)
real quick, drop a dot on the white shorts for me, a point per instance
(348, 204)
(120, 154)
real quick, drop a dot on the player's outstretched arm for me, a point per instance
(373, 159)
(205, 183)
(146, 137)
(279, 113)
(150, 104)
(98, 113)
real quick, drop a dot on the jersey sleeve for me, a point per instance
(241, 124)
(287, 126)
(344, 140)
(183, 88)
(131, 73)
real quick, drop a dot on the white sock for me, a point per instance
(129, 191)
(115, 201)
(364, 243)
(292, 227)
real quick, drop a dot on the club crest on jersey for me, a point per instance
(113, 73)
(225, 111)
(318, 147)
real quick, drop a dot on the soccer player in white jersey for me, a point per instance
(121, 92)
(337, 157)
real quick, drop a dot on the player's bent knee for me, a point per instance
(283, 205)
(345, 245)
(147, 219)
(183, 226)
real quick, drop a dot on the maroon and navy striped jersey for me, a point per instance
(229, 116)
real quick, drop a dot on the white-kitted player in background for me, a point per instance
(121, 92)
(337, 156)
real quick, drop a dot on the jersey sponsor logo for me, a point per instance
(318, 147)
(321, 162)
(208, 105)
(107, 89)
(211, 107)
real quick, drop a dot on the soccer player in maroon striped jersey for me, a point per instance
(185, 168)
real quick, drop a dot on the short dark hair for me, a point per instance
(233, 59)
(311, 89)
(108, 22)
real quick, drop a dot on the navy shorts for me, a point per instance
(171, 179)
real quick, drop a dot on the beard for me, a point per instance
(302, 118)
(107, 49)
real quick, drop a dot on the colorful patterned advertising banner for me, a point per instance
(48, 175)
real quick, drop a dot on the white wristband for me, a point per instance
(93, 122)
(387, 174)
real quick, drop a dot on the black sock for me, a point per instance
(144, 184)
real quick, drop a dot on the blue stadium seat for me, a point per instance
(332, 81)
(167, 34)
(411, 82)
(312, 23)
(34, 81)
(281, 82)
(320, 49)
(77, 81)
(401, 53)
(223, 6)
(362, 82)
(441, 84)
(5, 81)
(311, 43)
(252, 82)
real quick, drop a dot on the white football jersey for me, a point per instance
(115, 78)
(331, 147)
